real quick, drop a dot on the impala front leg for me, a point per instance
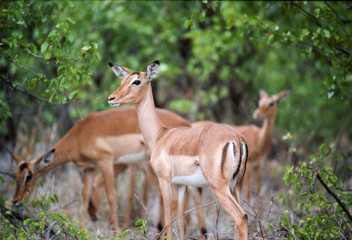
(87, 190)
(166, 195)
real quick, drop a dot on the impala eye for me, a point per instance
(271, 104)
(136, 82)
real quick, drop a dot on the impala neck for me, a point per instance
(63, 152)
(149, 121)
(266, 133)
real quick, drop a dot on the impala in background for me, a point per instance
(108, 141)
(259, 139)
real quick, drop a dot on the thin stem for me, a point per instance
(182, 214)
(334, 196)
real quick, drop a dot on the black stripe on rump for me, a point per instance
(239, 165)
(245, 163)
(223, 157)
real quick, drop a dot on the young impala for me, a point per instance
(213, 155)
(107, 141)
(259, 139)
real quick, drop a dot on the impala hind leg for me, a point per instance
(257, 178)
(88, 185)
(197, 198)
(247, 183)
(132, 176)
(182, 197)
(98, 191)
(107, 169)
(233, 208)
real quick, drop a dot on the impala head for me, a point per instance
(133, 85)
(268, 104)
(27, 175)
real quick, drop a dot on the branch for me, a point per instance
(33, 54)
(41, 57)
(334, 196)
(22, 90)
(8, 174)
(182, 214)
(333, 10)
(310, 15)
(22, 67)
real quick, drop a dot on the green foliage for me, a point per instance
(46, 222)
(319, 198)
(141, 226)
(215, 55)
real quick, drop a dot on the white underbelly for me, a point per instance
(132, 158)
(196, 179)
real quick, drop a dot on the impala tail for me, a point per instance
(239, 156)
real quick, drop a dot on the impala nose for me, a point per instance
(111, 98)
(15, 203)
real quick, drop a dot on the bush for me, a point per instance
(321, 200)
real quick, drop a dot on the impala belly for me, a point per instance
(128, 148)
(190, 170)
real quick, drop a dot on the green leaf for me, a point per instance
(139, 222)
(70, 37)
(27, 221)
(40, 215)
(72, 95)
(326, 33)
(44, 47)
(70, 20)
(298, 187)
(287, 177)
(187, 23)
(295, 178)
(126, 232)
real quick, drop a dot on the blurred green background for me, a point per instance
(215, 56)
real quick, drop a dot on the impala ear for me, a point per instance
(16, 158)
(152, 70)
(281, 95)
(262, 93)
(45, 160)
(119, 71)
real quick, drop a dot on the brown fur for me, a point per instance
(170, 157)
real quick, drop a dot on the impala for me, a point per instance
(95, 142)
(213, 155)
(259, 139)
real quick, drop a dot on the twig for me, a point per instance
(333, 10)
(217, 222)
(342, 235)
(288, 230)
(182, 214)
(22, 67)
(334, 196)
(141, 203)
(21, 90)
(33, 54)
(309, 15)
(41, 57)
(8, 174)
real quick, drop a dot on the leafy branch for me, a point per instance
(333, 195)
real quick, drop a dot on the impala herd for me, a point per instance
(201, 154)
